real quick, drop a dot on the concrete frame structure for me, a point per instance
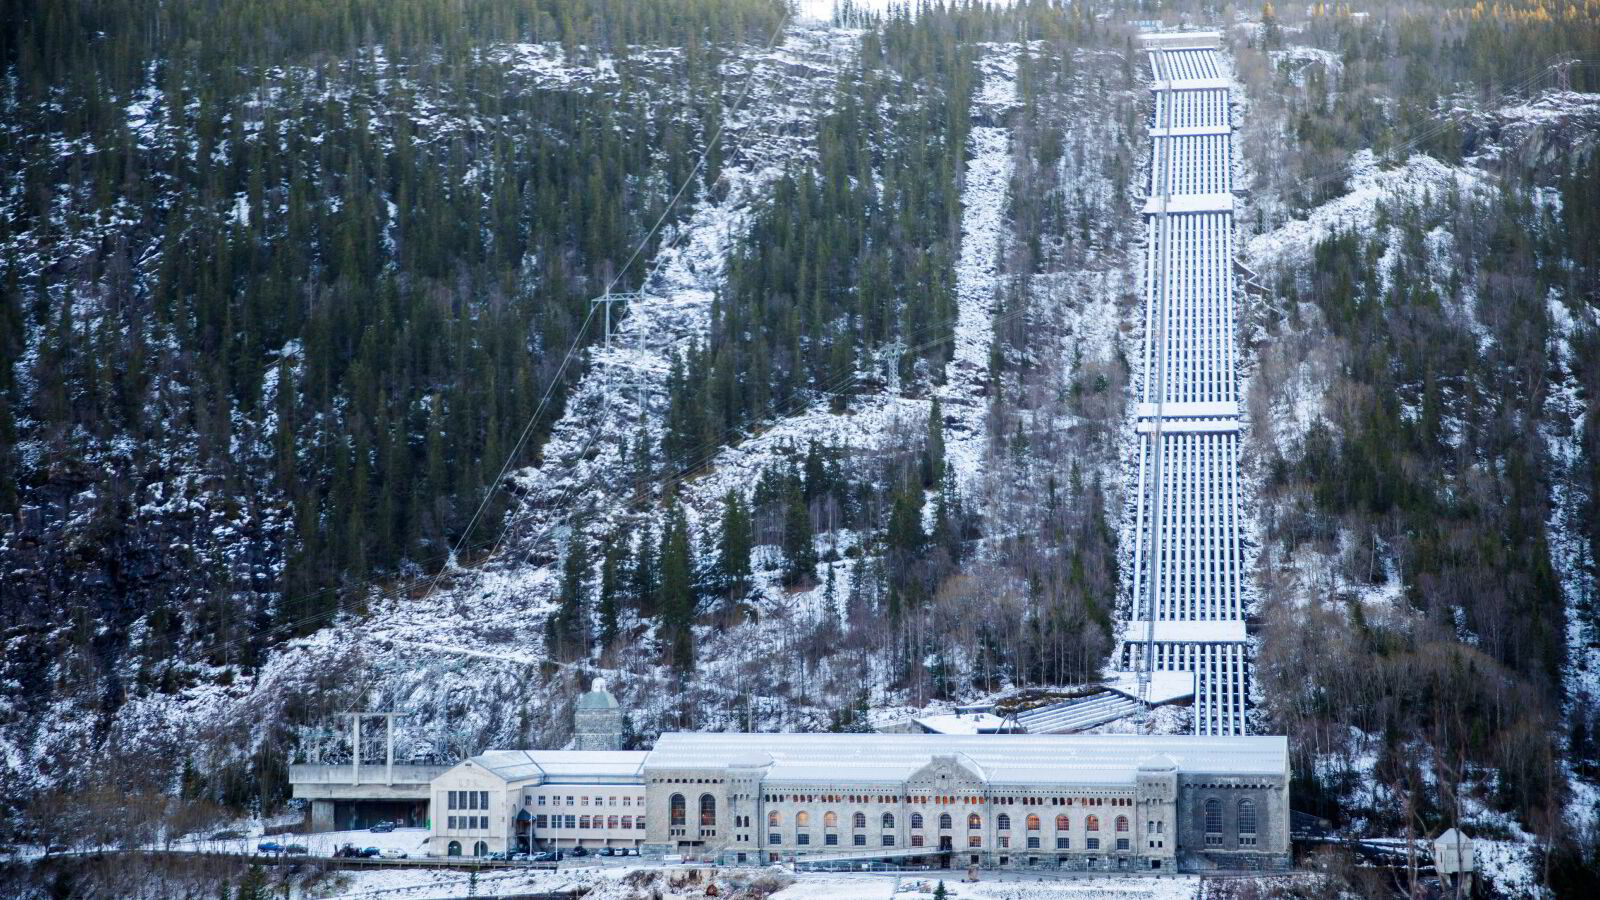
(1187, 610)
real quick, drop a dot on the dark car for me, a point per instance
(382, 828)
(294, 849)
(549, 856)
(579, 851)
(348, 851)
(269, 847)
(370, 853)
(606, 851)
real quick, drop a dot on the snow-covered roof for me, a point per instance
(562, 765)
(968, 723)
(1166, 685)
(597, 697)
(1068, 759)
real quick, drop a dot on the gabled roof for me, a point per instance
(1064, 759)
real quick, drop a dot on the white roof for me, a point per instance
(563, 765)
(1166, 685)
(1049, 759)
(966, 723)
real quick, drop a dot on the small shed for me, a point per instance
(1454, 853)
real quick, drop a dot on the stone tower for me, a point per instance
(597, 719)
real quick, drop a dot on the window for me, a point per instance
(708, 810)
(541, 799)
(888, 840)
(802, 819)
(1092, 823)
(1005, 840)
(611, 821)
(1033, 823)
(830, 819)
(1122, 843)
(859, 820)
(888, 820)
(774, 819)
(1033, 842)
(1003, 823)
(454, 849)
(452, 825)
(973, 822)
(1247, 823)
(541, 822)
(1122, 823)
(1063, 843)
(916, 820)
(480, 849)
(583, 821)
(974, 841)
(1092, 843)
(677, 811)
(1062, 823)
(859, 840)
(453, 795)
(944, 820)
(773, 838)
(831, 839)
(483, 799)
(1213, 822)
(916, 840)
(802, 838)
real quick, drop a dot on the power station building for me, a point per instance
(1077, 802)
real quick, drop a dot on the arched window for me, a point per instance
(454, 849)
(888, 820)
(1062, 824)
(1003, 823)
(1213, 816)
(774, 819)
(973, 822)
(944, 820)
(677, 811)
(916, 820)
(708, 810)
(1033, 823)
(802, 819)
(1247, 817)
(1122, 823)
(480, 849)
(1092, 823)
(830, 819)
(859, 820)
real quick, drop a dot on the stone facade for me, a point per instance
(597, 720)
(1076, 802)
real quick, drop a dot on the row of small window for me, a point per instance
(582, 822)
(469, 800)
(974, 821)
(949, 800)
(555, 800)
(467, 823)
(888, 840)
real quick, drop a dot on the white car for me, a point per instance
(392, 853)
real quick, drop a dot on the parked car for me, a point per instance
(228, 835)
(294, 849)
(269, 847)
(370, 853)
(519, 856)
(393, 853)
(382, 828)
(579, 851)
(549, 856)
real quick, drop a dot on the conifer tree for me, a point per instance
(733, 547)
(677, 592)
(799, 543)
(933, 448)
